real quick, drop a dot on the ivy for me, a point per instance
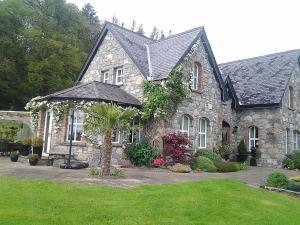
(160, 97)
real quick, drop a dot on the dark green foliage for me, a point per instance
(277, 180)
(193, 163)
(140, 153)
(208, 154)
(295, 158)
(225, 167)
(14, 154)
(293, 186)
(205, 164)
(33, 157)
(242, 148)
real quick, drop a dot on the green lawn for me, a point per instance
(203, 202)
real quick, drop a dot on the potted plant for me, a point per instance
(33, 159)
(242, 152)
(37, 146)
(26, 147)
(14, 156)
(255, 154)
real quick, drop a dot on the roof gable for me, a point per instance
(261, 81)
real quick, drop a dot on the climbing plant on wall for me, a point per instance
(160, 97)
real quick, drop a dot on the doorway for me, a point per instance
(47, 132)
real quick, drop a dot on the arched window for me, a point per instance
(185, 125)
(291, 97)
(296, 140)
(253, 137)
(196, 76)
(203, 125)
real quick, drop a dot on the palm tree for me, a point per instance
(104, 119)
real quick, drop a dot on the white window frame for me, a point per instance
(119, 75)
(105, 77)
(133, 130)
(296, 140)
(254, 138)
(195, 77)
(287, 133)
(187, 132)
(201, 133)
(75, 125)
(291, 97)
(116, 134)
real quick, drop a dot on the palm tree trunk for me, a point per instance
(106, 154)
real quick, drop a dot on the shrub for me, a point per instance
(225, 167)
(33, 157)
(295, 157)
(37, 142)
(293, 185)
(297, 178)
(193, 163)
(180, 168)
(243, 166)
(93, 171)
(205, 164)
(118, 173)
(208, 154)
(159, 162)
(255, 153)
(14, 154)
(27, 141)
(242, 148)
(288, 163)
(176, 146)
(224, 150)
(277, 180)
(140, 153)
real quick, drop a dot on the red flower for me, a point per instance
(159, 162)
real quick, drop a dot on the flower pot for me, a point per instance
(38, 150)
(253, 161)
(33, 162)
(241, 157)
(24, 151)
(14, 159)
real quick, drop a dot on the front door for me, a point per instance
(47, 132)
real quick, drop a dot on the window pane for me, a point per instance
(202, 140)
(251, 130)
(203, 126)
(78, 132)
(256, 132)
(185, 123)
(79, 117)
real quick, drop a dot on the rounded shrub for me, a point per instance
(225, 167)
(293, 185)
(288, 163)
(295, 157)
(208, 154)
(277, 180)
(205, 164)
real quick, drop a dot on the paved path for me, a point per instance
(254, 176)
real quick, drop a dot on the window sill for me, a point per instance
(292, 109)
(74, 144)
(197, 91)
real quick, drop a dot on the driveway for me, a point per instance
(133, 177)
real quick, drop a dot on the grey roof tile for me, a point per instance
(96, 91)
(261, 80)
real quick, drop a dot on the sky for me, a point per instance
(236, 29)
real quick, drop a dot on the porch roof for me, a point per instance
(95, 91)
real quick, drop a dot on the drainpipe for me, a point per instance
(149, 63)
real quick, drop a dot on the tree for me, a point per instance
(115, 20)
(155, 33)
(162, 34)
(140, 30)
(133, 24)
(105, 119)
(89, 12)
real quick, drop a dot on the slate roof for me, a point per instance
(95, 91)
(261, 80)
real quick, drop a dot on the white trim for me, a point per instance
(182, 125)
(119, 76)
(296, 140)
(195, 85)
(49, 132)
(254, 138)
(118, 138)
(287, 131)
(75, 125)
(105, 79)
(201, 133)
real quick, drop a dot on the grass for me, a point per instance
(214, 202)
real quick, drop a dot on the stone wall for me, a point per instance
(109, 56)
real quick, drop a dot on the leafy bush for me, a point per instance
(243, 166)
(176, 146)
(159, 162)
(140, 153)
(14, 154)
(224, 151)
(227, 166)
(93, 171)
(193, 163)
(27, 141)
(180, 168)
(242, 148)
(33, 157)
(296, 178)
(277, 180)
(208, 154)
(293, 186)
(255, 153)
(37, 142)
(288, 163)
(118, 173)
(205, 164)
(295, 157)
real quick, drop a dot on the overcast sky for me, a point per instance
(236, 29)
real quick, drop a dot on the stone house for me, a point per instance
(252, 99)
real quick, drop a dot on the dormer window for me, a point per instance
(105, 75)
(291, 97)
(196, 76)
(119, 76)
